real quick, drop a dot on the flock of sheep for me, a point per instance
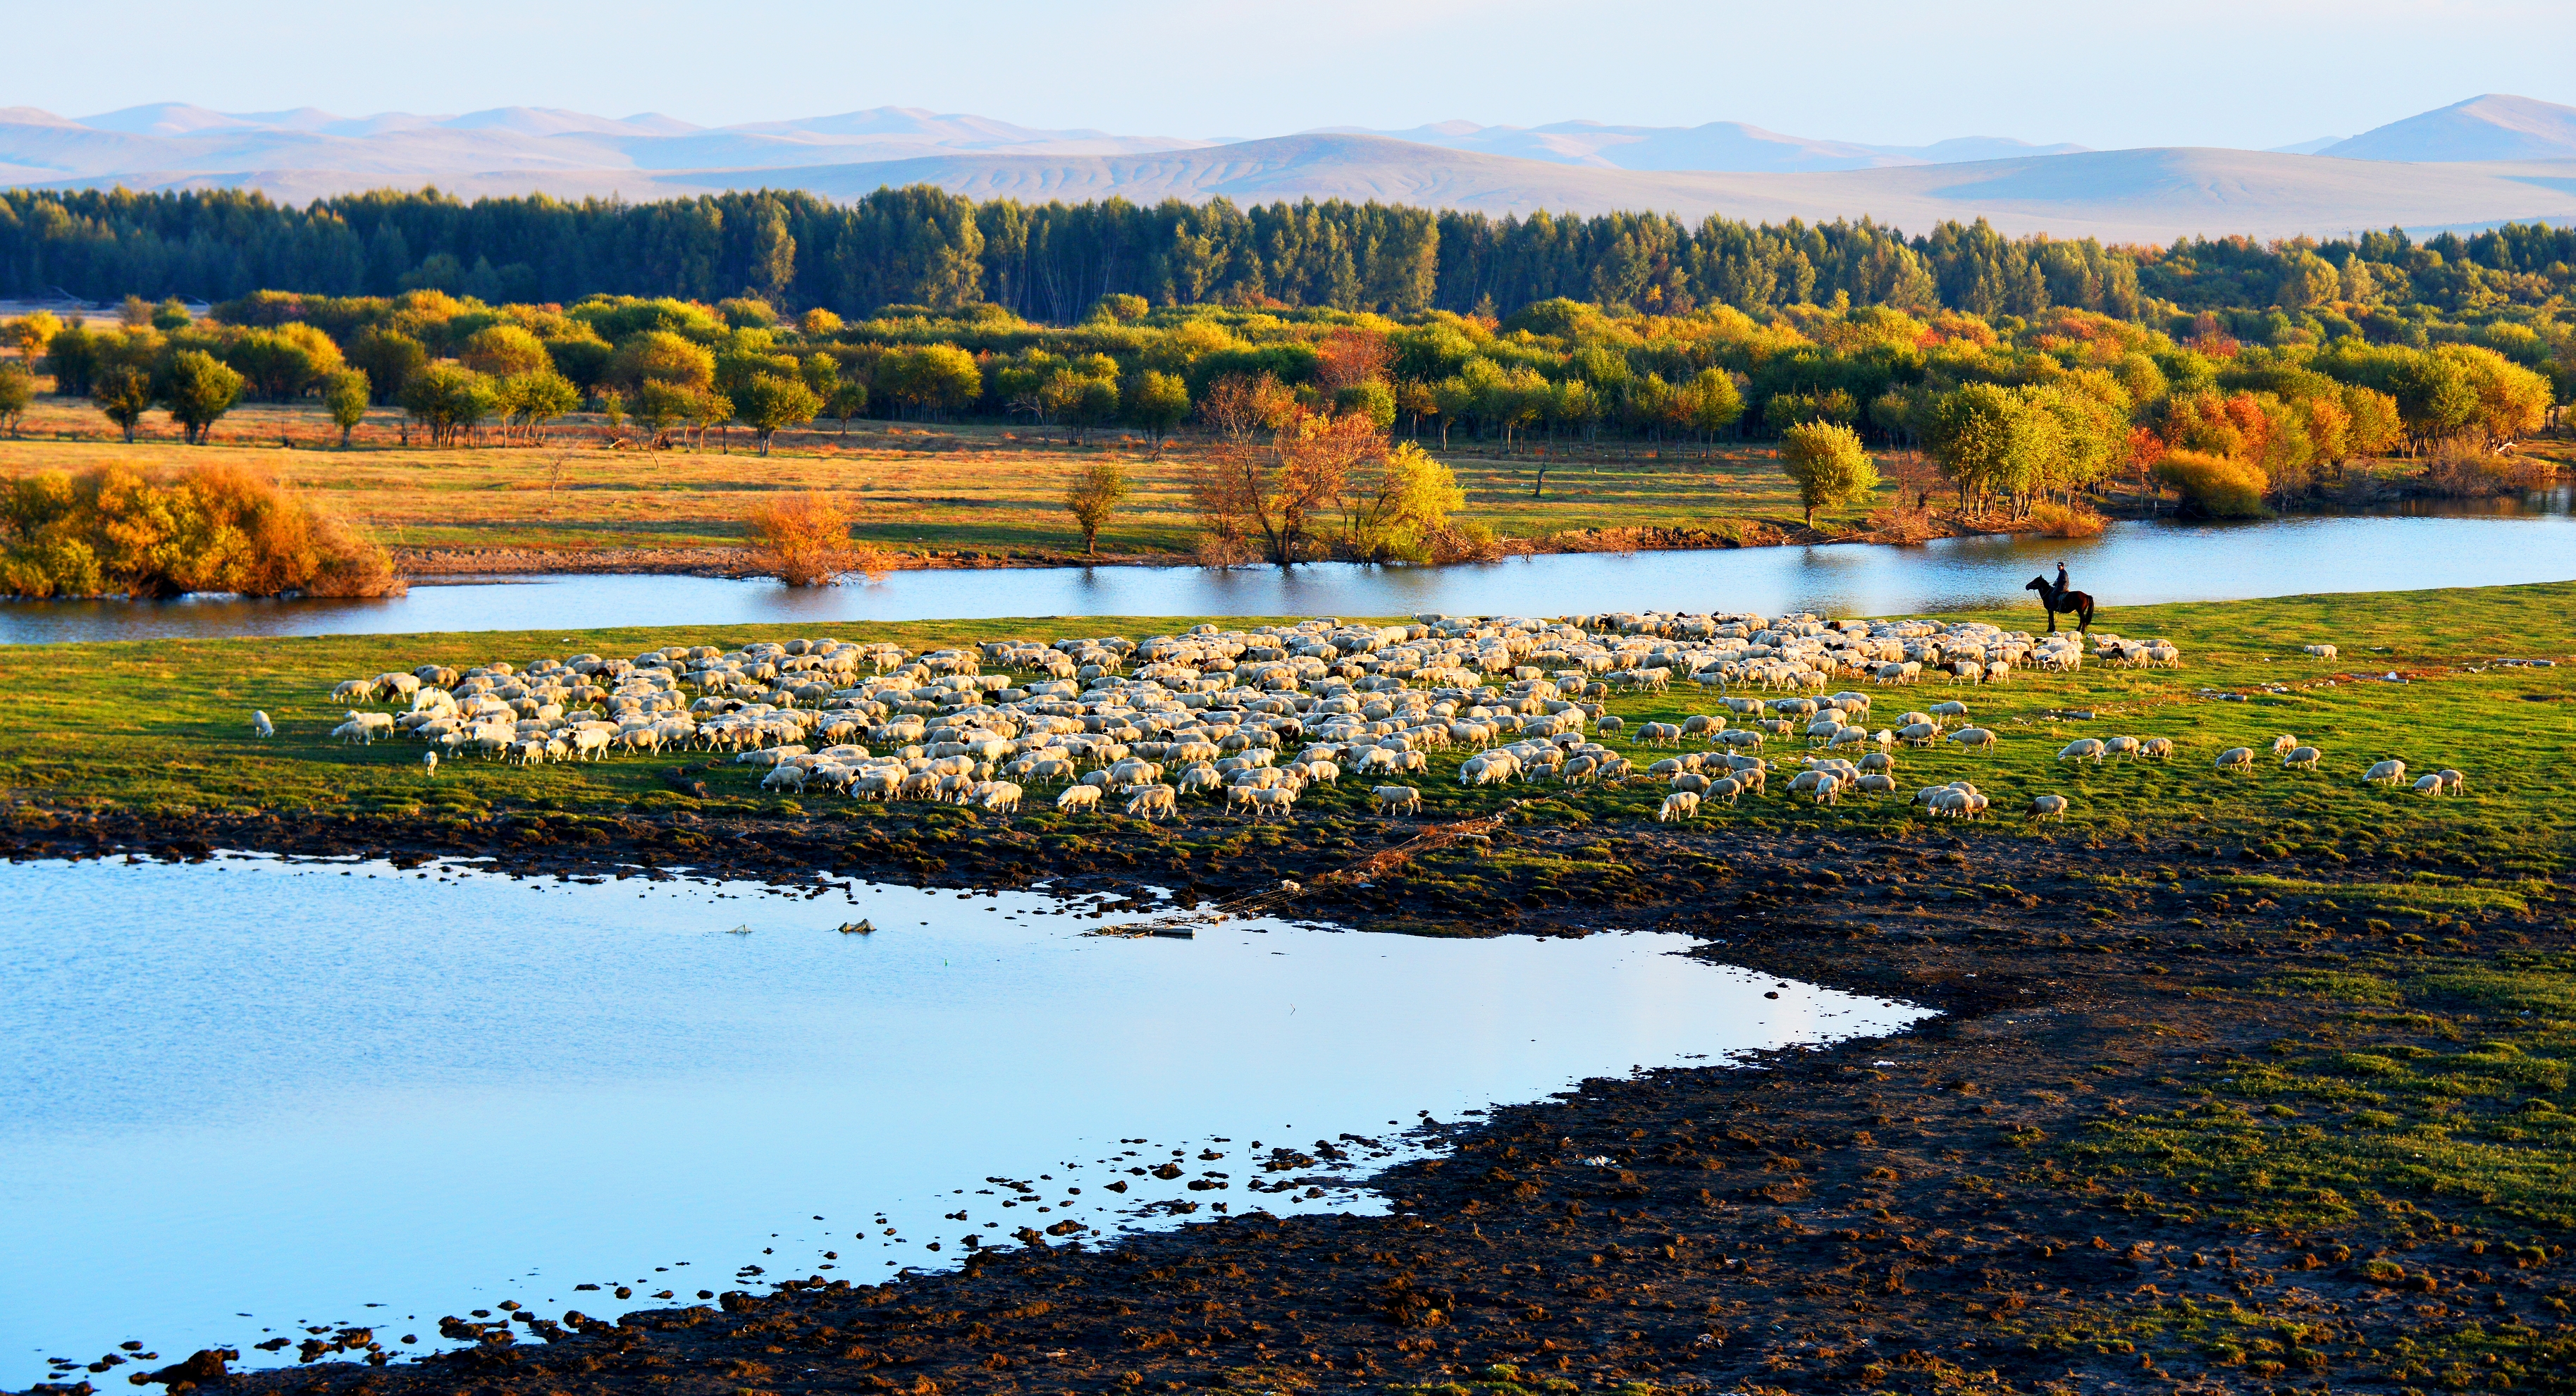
(1256, 717)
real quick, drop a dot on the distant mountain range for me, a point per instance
(2481, 161)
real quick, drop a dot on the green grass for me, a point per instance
(162, 727)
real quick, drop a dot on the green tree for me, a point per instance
(389, 358)
(661, 406)
(1093, 497)
(504, 351)
(1095, 403)
(198, 389)
(449, 399)
(1370, 398)
(536, 398)
(767, 401)
(1826, 462)
(849, 399)
(124, 393)
(170, 315)
(31, 333)
(73, 357)
(17, 390)
(1157, 402)
(659, 356)
(1715, 403)
(345, 397)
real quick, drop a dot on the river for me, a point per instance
(251, 1096)
(2132, 564)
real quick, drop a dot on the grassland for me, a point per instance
(161, 728)
(991, 491)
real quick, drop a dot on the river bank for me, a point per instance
(2129, 1156)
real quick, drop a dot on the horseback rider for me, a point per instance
(2061, 578)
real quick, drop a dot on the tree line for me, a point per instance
(1052, 262)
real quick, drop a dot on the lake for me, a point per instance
(2132, 564)
(250, 1095)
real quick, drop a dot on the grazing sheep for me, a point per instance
(1878, 761)
(1075, 797)
(1953, 709)
(1152, 802)
(2453, 783)
(260, 726)
(1875, 785)
(2120, 746)
(2282, 744)
(1919, 733)
(1397, 799)
(2080, 749)
(2320, 651)
(2300, 758)
(1283, 801)
(1723, 788)
(1691, 781)
(2156, 749)
(1976, 739)
(2385, 773)
(429, 761)
(2428, 785)
(1680, 805)
(787, 775)
(2046, 807)
(2236, 758)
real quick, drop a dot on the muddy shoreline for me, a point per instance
(1891, 1214)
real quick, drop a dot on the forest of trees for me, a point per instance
(1053, 262)
(2030, 370)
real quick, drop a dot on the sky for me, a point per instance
(2245, 73)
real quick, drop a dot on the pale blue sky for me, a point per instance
(2248, 73)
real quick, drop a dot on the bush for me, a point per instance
(2214, 487)
(2064, 521)
(211, 528)
(805, 540)
(2463, 469)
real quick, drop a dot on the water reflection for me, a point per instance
(2132, 564)
(248, 1095)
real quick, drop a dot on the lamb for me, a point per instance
(2453, 783)
(1975, 739)
(2385, 773)
(260, 726)
(2428, 784)
(2046, 807)
(2319, 651)
(1397, 799)
(2081, 748)
(1680, 805)
(2300, 758)
(429, 761)
(2236, 758)
(1074, 797)
(2282, 744)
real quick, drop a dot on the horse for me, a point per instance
(2069, 602)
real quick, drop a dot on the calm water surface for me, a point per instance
(248, 1095)
(2132, 564)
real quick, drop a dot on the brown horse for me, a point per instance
(2069, 602)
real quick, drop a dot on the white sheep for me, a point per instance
(2156, 749)
(2120, 746)
(2428, 784)
(2453, 783)
(2281, 744)
(1151, 802)
(2320, 651)
(1397, 799)
(2046, 807)
(429, 762)
(2385, 773)
(2301, 758)
(2080, 749)
(785, 775)
(1975, 738)
(1074, 797)
(1679, 805)
(260, 726)
(2236, 758)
